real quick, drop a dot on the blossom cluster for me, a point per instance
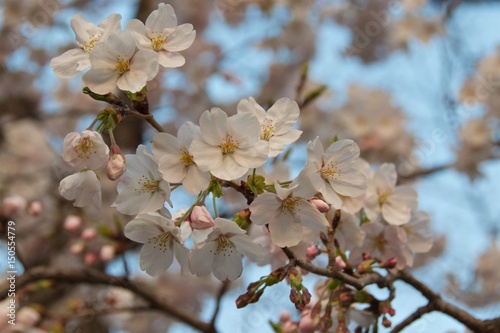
(373, 219)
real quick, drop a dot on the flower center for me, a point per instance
(224, 245)
(158, 42)
(267, 129)
(382, 198)
(85, 148)
(186, 157)
(122, 65)
(329, 171)
(148, 185)
(162, 241)
(89, 46)
(379, 242)
(289, 204)
(229, 145)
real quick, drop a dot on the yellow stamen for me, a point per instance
(329, 171)
(148, 185)
(186, 157)
(85, 148)
(89, 46)
(122, 65)
(162, 241)
(267, 129)
(229, 145)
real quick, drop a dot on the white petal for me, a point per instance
(70, 63)
(142, 228)
(331, 196)
(385, 178)
(202, 258)
(182, 39)
(154, 260)
(100, 81)
(285, 112)
(245, 128)
(182, 255)
(195, 180)
(285, 229)
(265, 208)
(213, 126)
(146, 62)
(245, 246)
(229, 169)
(171, 59)
(83, 29)
(351, 183)
(227, 264)
(171, 168)
(252, 157)
(315, 153)
(310, 217)
(141, 38)
(278, 143)
(207, 157)
(251, 106)
(344, 152)
(161, 18)
(228, 227)
(164, 143)
(308, 182)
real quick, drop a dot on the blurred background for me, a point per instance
(413, 82)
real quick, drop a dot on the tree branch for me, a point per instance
(92, 276)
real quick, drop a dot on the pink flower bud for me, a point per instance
(89, 233)
(312, 252)
(200, 218)
(35, 208)
(28, 316)
(320, 205)
(307, 324)
(390, 263)
(285, 316)
(340, 262)
(289, 327)
(107, 252)
(72, 222)
(116, 166)
(77, 248)
(13, 204)
(90, 258)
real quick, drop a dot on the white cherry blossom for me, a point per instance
(286, 214)
(222, 252)
(116, 63)
(88, 35)
(142, 188)
(420, 238)
(275, 124)
(394, 203)
(162, 35)
(228, 146)
(162, 241)
(176, 163)
(331, 172)
(83, 187)
(85, 150)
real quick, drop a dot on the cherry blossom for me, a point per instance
(420, 238)
(83, 187)
(142, 188)
(286, 214)
(116, 63)
(162, 241)
(88, 35)
(228, 146)
(275, 124)
(222, 252)
(331, 172)
(162, 35)
(175, 161)
(394, 203)
(85, 150)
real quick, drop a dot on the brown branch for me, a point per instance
(413, 317)
(437, 304)
(94, 312)
(423, 172)
(358, 283)
(223, 289)
(92, 276)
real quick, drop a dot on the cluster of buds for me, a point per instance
(256, 289)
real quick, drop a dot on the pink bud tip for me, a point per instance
(13, 204)
(90, 258)
(312, 252)
(200, 218)
(116, 166)
(89, 233)
(35, 208)
(320, 205)
(107, 252)
(72, 222)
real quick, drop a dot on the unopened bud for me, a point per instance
(386, 322)
(285, 316)
(107, 252)
(340, 262)
(35, 208)
(289, 327)
(312, 252)
(13, 204)
(389, 264)
(320, 205)
(90, 258)
(72, 222)
(89, 233)
(77, 248)
(200, 218)
(367, 256)
(116, 166)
